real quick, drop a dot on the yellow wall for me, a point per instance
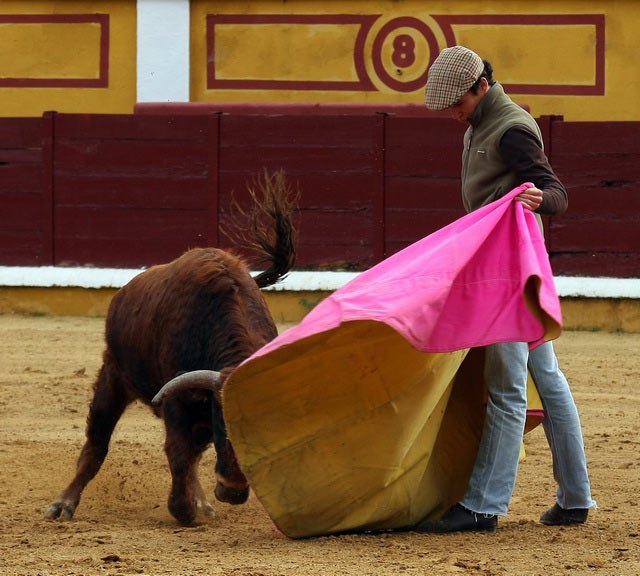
(288, 308)
(576, 58)
(61, 62)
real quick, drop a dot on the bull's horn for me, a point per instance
(207, 379)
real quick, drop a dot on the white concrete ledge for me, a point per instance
(83, 277)
(586, 287)
(58, 276)
(305, 281)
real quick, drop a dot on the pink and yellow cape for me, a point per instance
(367, 415)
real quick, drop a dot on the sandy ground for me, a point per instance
(47, 365)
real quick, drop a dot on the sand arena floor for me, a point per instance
(122, 527)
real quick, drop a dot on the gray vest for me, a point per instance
(485, 177)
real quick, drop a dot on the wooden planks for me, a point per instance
(332, 160)
(128, 191)
(599, 164)
(136, 190)
(422, 178)
(21, 191)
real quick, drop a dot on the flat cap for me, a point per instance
(451, 75)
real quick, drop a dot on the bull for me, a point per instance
(201, 311)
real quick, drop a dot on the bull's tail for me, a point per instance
(272, 233)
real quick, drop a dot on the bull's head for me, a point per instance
(231, 484)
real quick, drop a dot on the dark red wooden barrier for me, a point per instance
(599, 163)
(422, 178)
(337, 164)
(129, 191)
(25, 209)
(135, 190)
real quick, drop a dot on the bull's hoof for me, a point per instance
(184, 510)
(205, 508)
(60, 510)
(231, 495)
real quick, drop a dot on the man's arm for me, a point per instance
(522, 152)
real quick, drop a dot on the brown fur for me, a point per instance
(201, 311)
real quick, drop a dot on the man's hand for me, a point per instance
(531, 198)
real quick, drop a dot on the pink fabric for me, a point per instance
(458, 288)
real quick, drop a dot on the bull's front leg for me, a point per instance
(232, 485)
(183, 463)
(188, 427)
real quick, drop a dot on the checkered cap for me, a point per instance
(451, 75)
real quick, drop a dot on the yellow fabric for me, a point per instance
(354, 429)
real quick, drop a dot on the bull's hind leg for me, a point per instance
(189, 432)
(108, 404)
(202, 504)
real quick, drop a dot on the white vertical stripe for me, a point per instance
(163, 50)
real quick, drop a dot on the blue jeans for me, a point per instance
(494, 474)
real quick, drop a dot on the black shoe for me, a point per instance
(557, 516)
(459, 519)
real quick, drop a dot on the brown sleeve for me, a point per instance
(522, 152)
